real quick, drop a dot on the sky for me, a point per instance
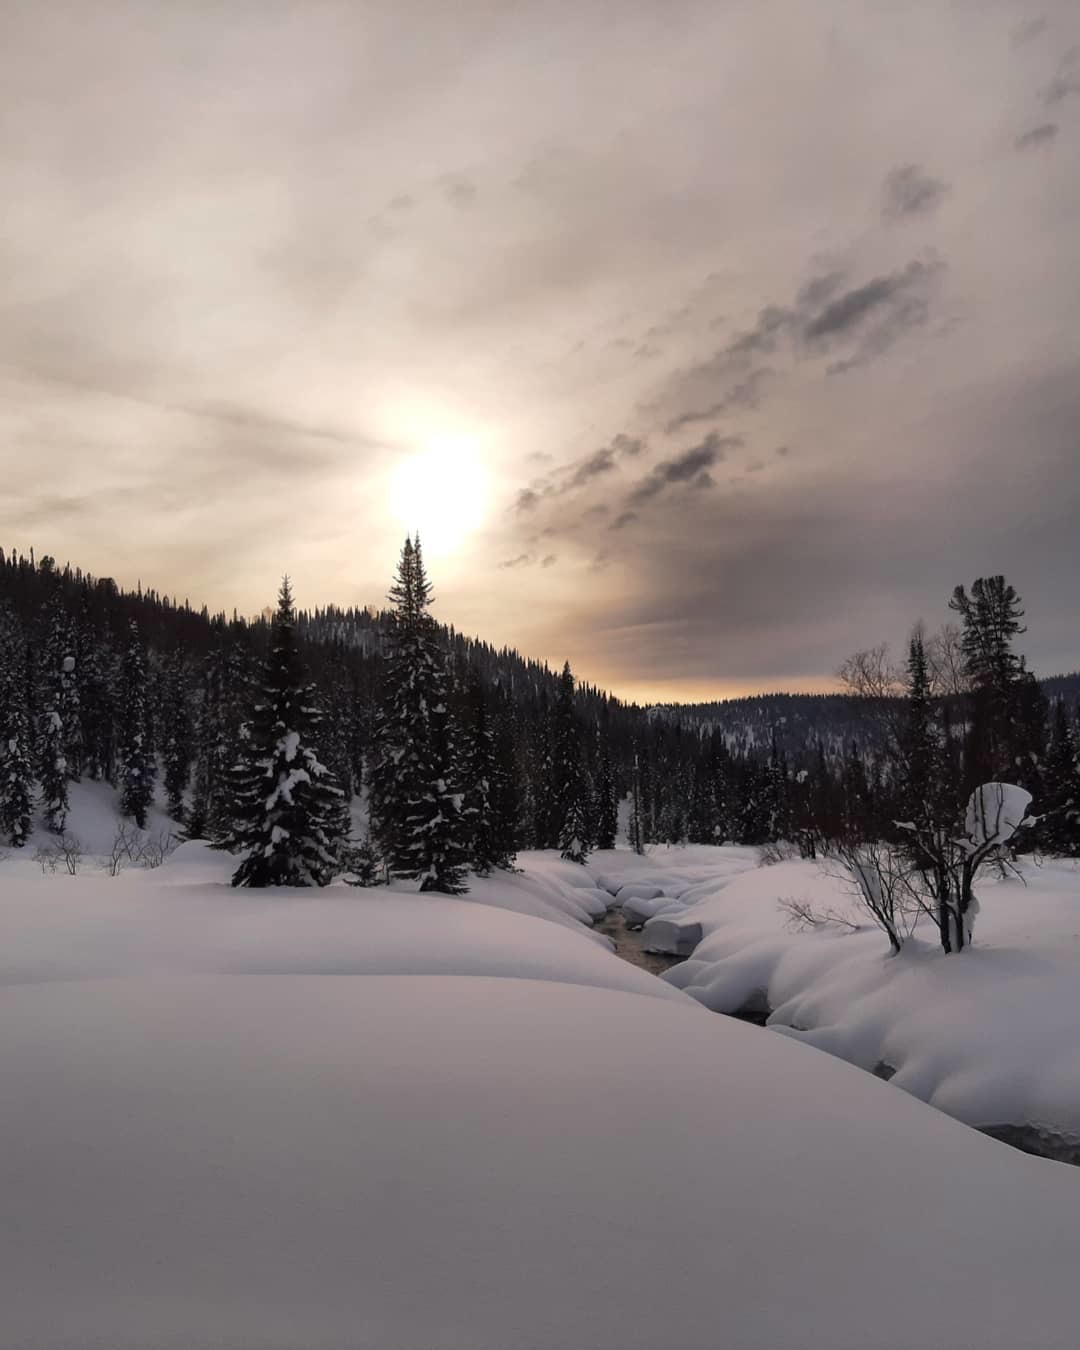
(703, 342)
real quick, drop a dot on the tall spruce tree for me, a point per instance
(16, 762)
(137, 766)
(571, 787)
(52, 768)
(415, 804)
(288, 806)
(1059, 825)
(478, 773)
(606, 806)
(1001, 718)
(176, 732)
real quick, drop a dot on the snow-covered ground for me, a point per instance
(991, 1035)
(353, 1119)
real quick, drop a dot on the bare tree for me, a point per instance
(803, 915)
(945, 661)
(870, 673)
(66, 852)
(950, 860)
(880, 877)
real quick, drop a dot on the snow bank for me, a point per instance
(990, 1035)
(183, 918)
(338, 1164)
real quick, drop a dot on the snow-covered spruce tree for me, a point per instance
(51, 761)
(506, 796)
(176, 732)
(97, 699)
(416, 808)
(137, 769)
(606, 806)
(221, 741)
(477, 776)
(288, 809)
(635, 828)
(16, 764)
(1059, 821)
(572, 788)
(60, 676)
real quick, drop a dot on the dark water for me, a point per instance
(630, 945)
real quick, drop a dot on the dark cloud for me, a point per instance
(549, 560)
(594, 466)
(630, 446)
(689, 468)
(743, 395)
(622, 520)
(1067, 80)
(403, 202)
(581, 474)
(522, 560)
(875, 316)
(910, 191)
(1040, 135)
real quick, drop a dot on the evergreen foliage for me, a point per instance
(287, 804)
(416, 807)
(136, 760)
(16, 763)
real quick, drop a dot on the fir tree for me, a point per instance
(288, 807)
(16, 768)
(478, 775)
(137, 768)
(176, 733)
(635, 829)
(570, 786)
(416, 808)
(51, 737)
(1059, 827)
(606, 806)
(222, 743)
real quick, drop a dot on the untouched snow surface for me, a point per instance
(990, 1035)
(370, 1120)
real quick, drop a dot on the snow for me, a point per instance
(990, 1035)
(994, 813)
(354, 1119)
(296, 1161)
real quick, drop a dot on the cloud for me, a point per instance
(460, 191)
(909, 191)
(549, 561)
(625, 518)
(746, 394)
(1040, 135)
(630, 446)
(1029, 29)
(522, 560)
(875, 315)
(575, 477)
(1067, 80)
(689, 468)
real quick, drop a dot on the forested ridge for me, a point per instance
(466, 753)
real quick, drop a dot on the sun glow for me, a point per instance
(441, 493)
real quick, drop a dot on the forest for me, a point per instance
(268, 734)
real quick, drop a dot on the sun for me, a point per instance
(441, 493)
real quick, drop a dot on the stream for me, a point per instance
(630, 944)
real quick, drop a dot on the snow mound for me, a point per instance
(388, 1163)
